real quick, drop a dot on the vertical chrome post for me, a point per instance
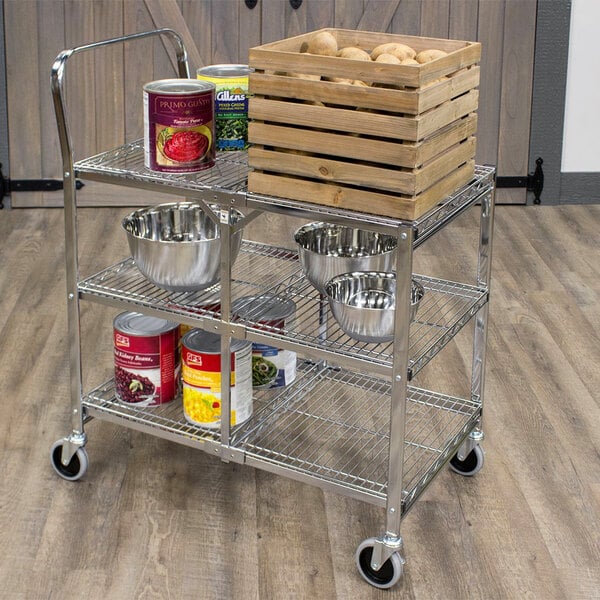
(484, 265)
(226, 241)
(323, 304)
(391, 541)
(71, 252)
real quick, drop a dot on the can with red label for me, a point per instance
(147, 364)
(201, 375)
(179, 125)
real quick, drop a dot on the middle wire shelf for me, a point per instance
(330, 428)
(266, 270)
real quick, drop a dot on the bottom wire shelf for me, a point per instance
(329, 428)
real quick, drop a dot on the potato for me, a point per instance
(442, 78)
(426, 56)
(322, 43)
(356, 82)
(353, 53)
(339, 80)
(293, 151)
(400, 51)
(388, 58)
(409, 61)
(305, 76)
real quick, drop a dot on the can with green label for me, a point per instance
(231, 104)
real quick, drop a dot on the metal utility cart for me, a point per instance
(351, 422)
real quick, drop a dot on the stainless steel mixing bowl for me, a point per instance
(328, 250)
(177, 245)
(364, 303)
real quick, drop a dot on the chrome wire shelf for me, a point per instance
(330, 427)
(229, 177)
(166, 420)
(334, 427)
(446, 307)
(126, 165)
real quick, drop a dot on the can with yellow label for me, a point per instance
(201, 376)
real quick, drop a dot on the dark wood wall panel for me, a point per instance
(490, 32)
(104, 88)
(515, 108)
(463, 19)
(435, 18)
(23, 92)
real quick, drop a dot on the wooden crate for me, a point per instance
(395, 146)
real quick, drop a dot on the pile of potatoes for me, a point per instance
(324, 43)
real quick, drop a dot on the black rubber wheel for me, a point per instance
(471, 465)
(388, 575)
(77, 465)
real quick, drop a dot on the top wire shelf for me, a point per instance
(125, 166)
(227, 182)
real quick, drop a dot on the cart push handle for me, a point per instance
(58, 70)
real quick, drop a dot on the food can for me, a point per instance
(271, 366)
(201, 375)
(147, 366)
(231, 103)
(179, 125)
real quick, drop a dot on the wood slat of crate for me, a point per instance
(395, 146)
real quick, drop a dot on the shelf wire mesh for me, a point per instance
(262, 270)
(330, 425)
(126, 163)
(229, 176)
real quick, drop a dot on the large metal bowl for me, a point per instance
(364, 304)
(328, 250)
(177, 245)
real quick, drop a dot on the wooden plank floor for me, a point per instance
(152, 519)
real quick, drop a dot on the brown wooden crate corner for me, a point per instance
(395, 146)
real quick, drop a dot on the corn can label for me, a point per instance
(231, 104)
(179, 126)
(202, 380)
(146, 353)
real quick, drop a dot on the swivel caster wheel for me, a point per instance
(471, 465)
(387, 575)
(77, 465)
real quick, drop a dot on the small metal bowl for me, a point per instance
(363, 304)
(177, 245)
(327, 250)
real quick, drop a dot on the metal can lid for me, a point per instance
(224, 71)
(132, 323)
(266, 307)
(179, 86)
(199, 340)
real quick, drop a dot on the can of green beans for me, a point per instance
(271, 366)
(231, 103)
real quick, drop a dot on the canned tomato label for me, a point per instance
(201, 375)
(179, 126)
(231, 103)
(146, 351)
(271, 366)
